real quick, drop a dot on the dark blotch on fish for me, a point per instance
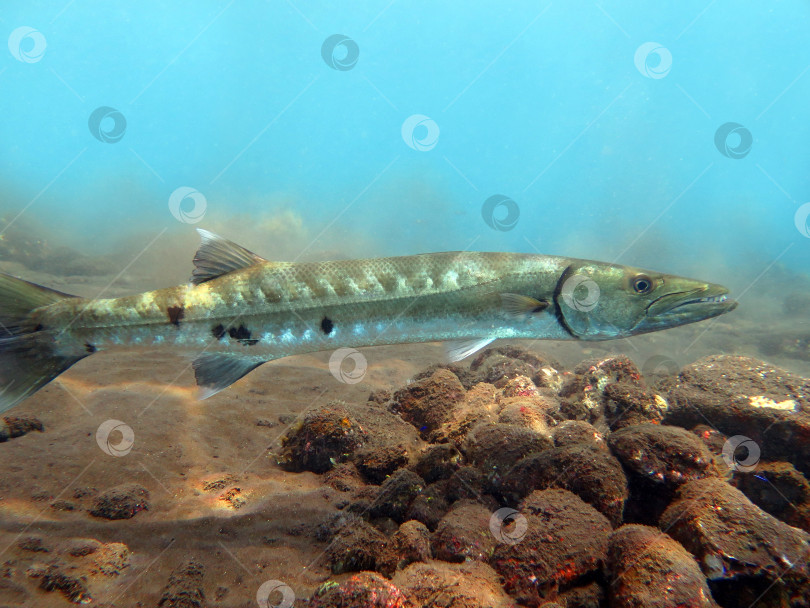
(241, 333)
(176, 314)
(89, 348)
(327, 326)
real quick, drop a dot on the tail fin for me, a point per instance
(29, 356)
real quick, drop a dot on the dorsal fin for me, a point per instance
(217, 256)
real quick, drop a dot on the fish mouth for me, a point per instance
(693, 305)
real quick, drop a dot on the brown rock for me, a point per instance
(437, 462)
(494, 448)
(357, 546)
(648, 569)
(439, 584)
(779, 489)
(565, 540)
(411, 543)
(121, 502)
(339, 431)
(363, 590)
(592, 474)
(628, 403)
(734, 539)
(185, 587)
(396, 495)
(429, 402)
(463, 533)
(572, 432)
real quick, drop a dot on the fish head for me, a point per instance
(599, 301)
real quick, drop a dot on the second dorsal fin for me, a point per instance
(217, 256)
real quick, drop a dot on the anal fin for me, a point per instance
(461, 349)
(217, 371)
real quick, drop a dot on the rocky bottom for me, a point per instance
(508, 482)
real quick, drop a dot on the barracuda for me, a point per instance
(240, 310)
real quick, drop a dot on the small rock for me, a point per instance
(61, 577)
(628, 403)
(266, 422)
(380, 397)
(734, 539)
(63, 505)
(344, 477)
(592, 474)
(500, 364)
(336, 433)
(494, 448)
(463, 533)
(437, 462)
(376, 464)
(430, 505)
(81, 547)
(662, 454)
(439, 584)
(779, 489)
(110, 559)
(572, 432)
(648, 569)
(396, 495)
(533, 413)
(429, 402)
(17, 426)
(363, 590)
(583, 393)
(121, 502)
(185, 587)
(519, 386)
(478, 406)
(465, 376)
(32, 544)
(358, 546)
(565, 540)
(411, 543)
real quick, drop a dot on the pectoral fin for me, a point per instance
(517, 305)
(217, 371)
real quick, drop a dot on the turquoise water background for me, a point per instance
(600, 123)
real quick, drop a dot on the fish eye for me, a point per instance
(642, 284)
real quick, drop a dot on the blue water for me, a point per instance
(604, 147)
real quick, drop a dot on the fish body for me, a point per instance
(239, 310)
